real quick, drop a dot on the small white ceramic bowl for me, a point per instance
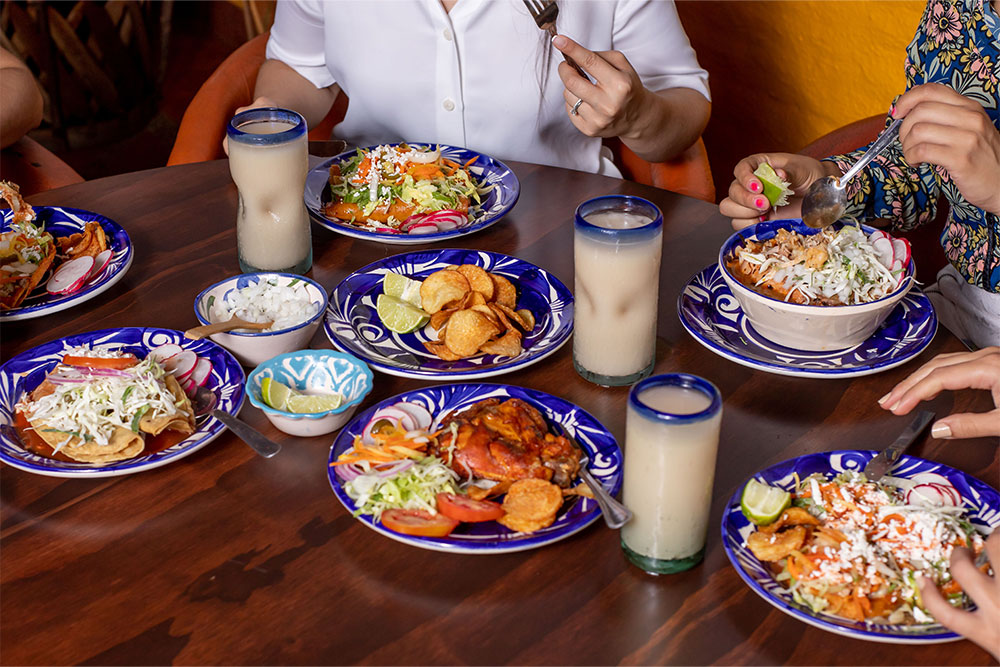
(801, 327)
(313, 372)
(252, 348)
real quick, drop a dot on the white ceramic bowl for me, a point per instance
(313, 372)
(801, 327)
(253, 348)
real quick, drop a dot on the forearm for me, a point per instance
(22, 104)
(286, 88)
(669, 121)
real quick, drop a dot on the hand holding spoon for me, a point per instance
(826, 200)
(206, 330)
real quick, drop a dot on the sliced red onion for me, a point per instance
(420, 414)
(394, 468)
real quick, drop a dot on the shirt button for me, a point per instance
(448, 104)
(447, 34)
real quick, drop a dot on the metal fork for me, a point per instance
(545, 12)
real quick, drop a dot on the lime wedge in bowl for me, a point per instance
(776, 189)
(313, 403)
(276, 394)
(763, 503)
(398, 315)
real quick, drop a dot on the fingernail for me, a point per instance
(941, 431)
(760, 202)
(754, 186)
(892, 111)
(762, 218)
(884, 398)
(559, 41)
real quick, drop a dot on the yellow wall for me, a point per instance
(783, 73)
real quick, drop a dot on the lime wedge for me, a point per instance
(276, 394)
(401, 287)
(775, 188)
(398, 315)
(763, 503)
(309, 403)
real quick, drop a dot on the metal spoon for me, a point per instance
(204, 401)
(206, 330)
(826, 200)
(615, 514)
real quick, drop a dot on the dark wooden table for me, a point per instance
(227, 558)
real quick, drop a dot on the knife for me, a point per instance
(885, 459)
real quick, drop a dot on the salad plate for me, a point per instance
(60, 222)
(711, 314)
(503, 185)
(981, 502)
(26, 371)
(353, 325)
(489, 537)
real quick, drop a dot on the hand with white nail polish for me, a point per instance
(962, 370)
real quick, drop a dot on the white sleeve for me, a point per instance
(298, 39)
(651, 36)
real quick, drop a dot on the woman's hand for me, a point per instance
(983, 625)
(943, 128)
(656, 125)
(962, 370)
(746, 203)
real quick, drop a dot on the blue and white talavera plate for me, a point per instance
(710, 313)
(486, 170)
(27, 370)
(60, 222)
(353, 326)
(981, 501)
(490, 537)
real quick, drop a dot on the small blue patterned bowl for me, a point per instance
(313, 372)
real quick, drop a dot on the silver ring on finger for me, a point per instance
(575, 111)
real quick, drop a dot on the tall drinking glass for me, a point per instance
(671, 439)
(617, 246)
(269, 159)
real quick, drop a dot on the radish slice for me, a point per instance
(102, 259)
(933, 494)
(884, 250)
(446, 225)
(423, 418)
(423, 228)
(164, 352)
(70, 276)
(181, 364)
(188, 386)
(201, 372)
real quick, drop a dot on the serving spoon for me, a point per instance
(826, 200)
(206, 330)
(615, 514)
(204, 401)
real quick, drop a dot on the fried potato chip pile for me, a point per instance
(473, 312)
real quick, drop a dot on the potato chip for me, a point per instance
(467, 330)
(523, 525)
(479, 280)
(441, 350)
(532, 499)
(515, 316)
(504, 291)
(508, 345)
(441, 288)
(528, 318)
(490, 315)
(440, 319)
(501, 315)
(472, 299)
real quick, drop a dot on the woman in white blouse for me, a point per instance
(480, 74)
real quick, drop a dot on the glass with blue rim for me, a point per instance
(671, 439)
(617, 244)
(269, 160)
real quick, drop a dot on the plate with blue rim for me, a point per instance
(981, 501)
(488, 171)
(490, 537)
(353, 325)
(61, 222)
(711, 314)
(24, 372)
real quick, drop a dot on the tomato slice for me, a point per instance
(418, 522)
(469, 510)
(94, 362)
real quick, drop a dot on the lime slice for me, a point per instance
(276, 394)
(398, 315)
(309, 403)
(401, 287)
(775, 188)
(763, 503)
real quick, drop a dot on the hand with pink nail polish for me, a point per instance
(962, 370)
(746, 203)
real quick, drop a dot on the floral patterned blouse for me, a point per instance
(957, 44)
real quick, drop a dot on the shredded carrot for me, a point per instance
(471, 160)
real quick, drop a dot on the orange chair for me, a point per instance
(35, 168)
(203, 127)
(925, 240)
